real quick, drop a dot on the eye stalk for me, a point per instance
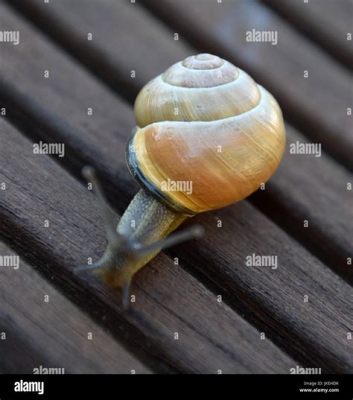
(125, 250)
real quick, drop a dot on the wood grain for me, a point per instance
(316, 190)
(211, 335)
(108, 65)
(324, 21)
(51, 332)
(274, 299)
(304, 188)
(319, 110)
(266, 298)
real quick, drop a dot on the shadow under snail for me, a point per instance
(203, 121)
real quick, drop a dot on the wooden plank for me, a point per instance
(319, 110)
(326, 22)
(211, 335)
(44, 329)
(276, 299)
(316, 190)
(263, 296)
(322, 182)
(109, 66)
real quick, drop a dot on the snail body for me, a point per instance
(203, 121)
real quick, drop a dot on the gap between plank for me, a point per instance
(258, 319)
(326, 43)
(75, 169)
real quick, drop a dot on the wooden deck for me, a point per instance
(269, 320)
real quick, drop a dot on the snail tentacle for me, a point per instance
(106, 261)
(108, 214)
(139, 236)
(185, 235)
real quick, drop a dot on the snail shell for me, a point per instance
(207, 122)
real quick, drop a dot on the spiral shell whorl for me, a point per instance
(206, 121)
(185, 92)
(202, 71)
(203, 61)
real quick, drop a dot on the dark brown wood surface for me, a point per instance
(61, 24)
(327, 22)
(317, 105)
(319, 110)
(212, 336)
(330, 229)
(44, 329)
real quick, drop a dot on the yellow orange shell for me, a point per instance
(205, 124)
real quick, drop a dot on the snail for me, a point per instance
(204, 122)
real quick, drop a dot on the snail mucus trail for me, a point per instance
(204, 121)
